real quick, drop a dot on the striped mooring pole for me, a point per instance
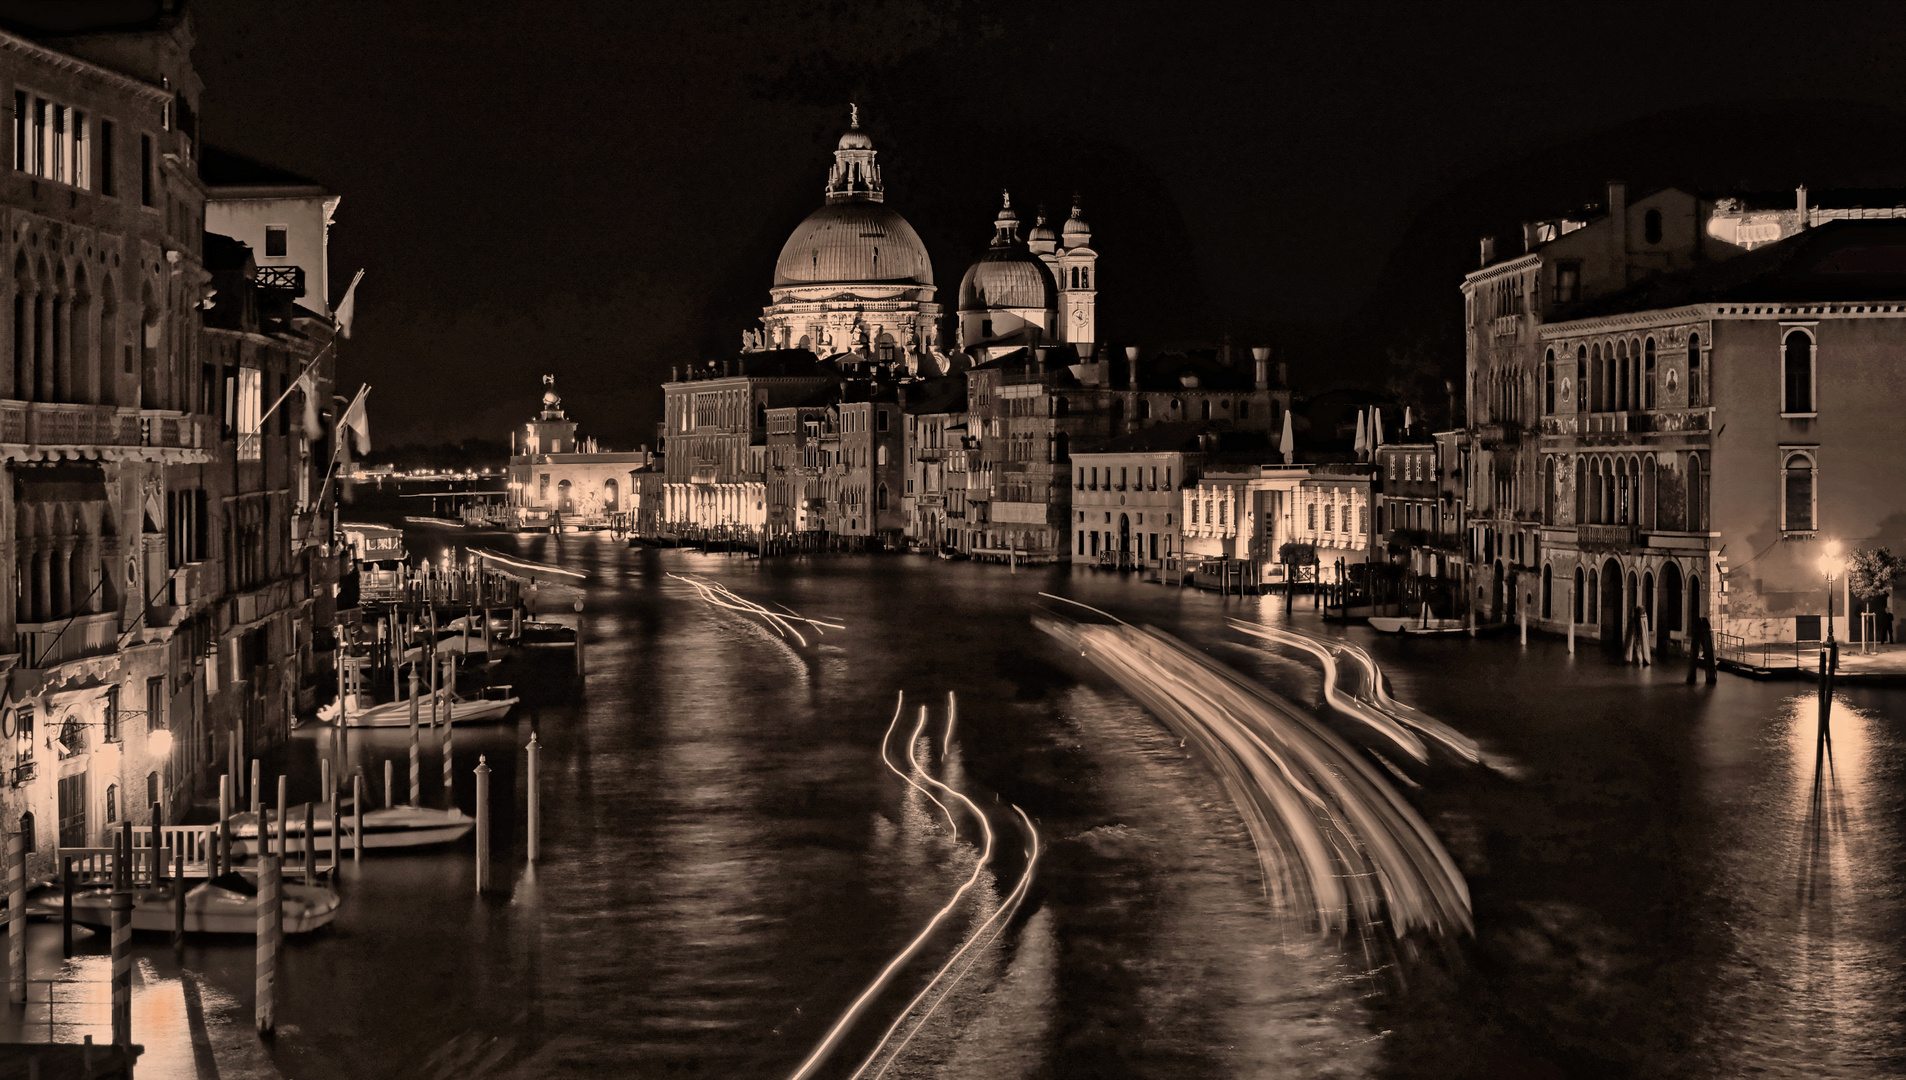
(416, 750)
(449, 740)
(122, 944)
(267, 971)
(16, 917)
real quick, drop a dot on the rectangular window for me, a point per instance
(42, 137)
(107, 185)
(1330, 519)
(1806, 628)
(274, 241)
(82, 152)
(250, 405)
(1568, 282)
(145, 170)
(155, 703)
(62, 148)
(880, 420)
(20, 155)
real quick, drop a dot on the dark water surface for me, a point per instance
(1664, 882)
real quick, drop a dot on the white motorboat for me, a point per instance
(389, 827)
(1420, 623)
(368, 714)
(227, 904)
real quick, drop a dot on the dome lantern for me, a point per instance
(1077, 232)
(855, 176)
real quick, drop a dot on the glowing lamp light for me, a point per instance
(1831, 562)
(159, 743)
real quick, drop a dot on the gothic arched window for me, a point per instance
(1797, 372)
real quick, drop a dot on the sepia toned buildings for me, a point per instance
(166, 565)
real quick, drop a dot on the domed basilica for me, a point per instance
(854, 283)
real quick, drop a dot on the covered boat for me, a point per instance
(227, 904)
(366, 713)
(389, 827)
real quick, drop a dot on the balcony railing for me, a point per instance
(1502, 433)
(288, 279)
(53, 424)
(48, 644)
(1605, 536)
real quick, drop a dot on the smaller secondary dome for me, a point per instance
(1008, 278)
(855, 139)
(1041, 231)
(1076, 230)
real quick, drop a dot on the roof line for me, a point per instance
(67, 61)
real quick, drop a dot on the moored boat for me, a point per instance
(227, 904)
(388, 827)
(462, 710)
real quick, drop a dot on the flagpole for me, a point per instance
(337, 451)
(294, 383)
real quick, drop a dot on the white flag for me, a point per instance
(347, 307)
(358, 419)
(308, 386)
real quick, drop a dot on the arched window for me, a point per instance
(1061, 447)
(880, 455)
(1648, 374)
(1144, 409)
(611, 495)
(1646, 518)
(1085, 277)
(1548, 577)
(1548, 384)
(1061, 407)
(1075, 277)
(1575, 599)
(1596, 372)
(1204, 409)
(1312, 515)
(1621, 376)
(1648, 595)
(880, 493)
(1697, 493)
(1797, 494)
(1797, 373)
(1694, 371)
(1581, 378)
(1651, 227)
(1549, 482)
(1592, 597)
(1244, 409)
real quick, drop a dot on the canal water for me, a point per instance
(1668, 881)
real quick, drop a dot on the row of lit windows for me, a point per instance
(1620, 379)
(1088, 479)
(56, 142)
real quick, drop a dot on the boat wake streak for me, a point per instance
(947, 977)
(1334, 839)
(719, 595)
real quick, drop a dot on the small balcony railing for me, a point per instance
(286, 279)
(1605, 536)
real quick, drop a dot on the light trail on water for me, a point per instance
(831, 1041)
(1329, 829)
(719, 595)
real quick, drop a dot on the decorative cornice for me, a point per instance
(1516, 265)
(33, 50)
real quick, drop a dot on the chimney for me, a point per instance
(1263, 357)
(1528, 237)
(675, 373)
(1618, 223)
(1488, 250)
(1131, 364)
(1283, 374)
(1800, 205)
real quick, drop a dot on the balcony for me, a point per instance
(1506, 326)
(1610, 537)
(35, 430)
(23, 773)
(1502, 433)
(704, 474)
(286, 279)
(49, 644)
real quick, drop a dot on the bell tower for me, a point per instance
(1078, 283)
(551, 432)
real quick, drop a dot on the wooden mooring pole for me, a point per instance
(267, 963)
(535, 802)
(482, 824)
(416, 753)
(122, 942)
(16, 917)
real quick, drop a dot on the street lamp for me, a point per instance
(1830, 564)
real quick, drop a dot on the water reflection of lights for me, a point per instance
(996, 921)
(1330, 833)
(719, 595)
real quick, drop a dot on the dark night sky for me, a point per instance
(601, 190)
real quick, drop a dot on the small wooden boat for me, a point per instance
(227, 904)
(1416, 624)
(546, 633)
(369, 714)
(388, 827)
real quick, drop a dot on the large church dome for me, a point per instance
(853, 242)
